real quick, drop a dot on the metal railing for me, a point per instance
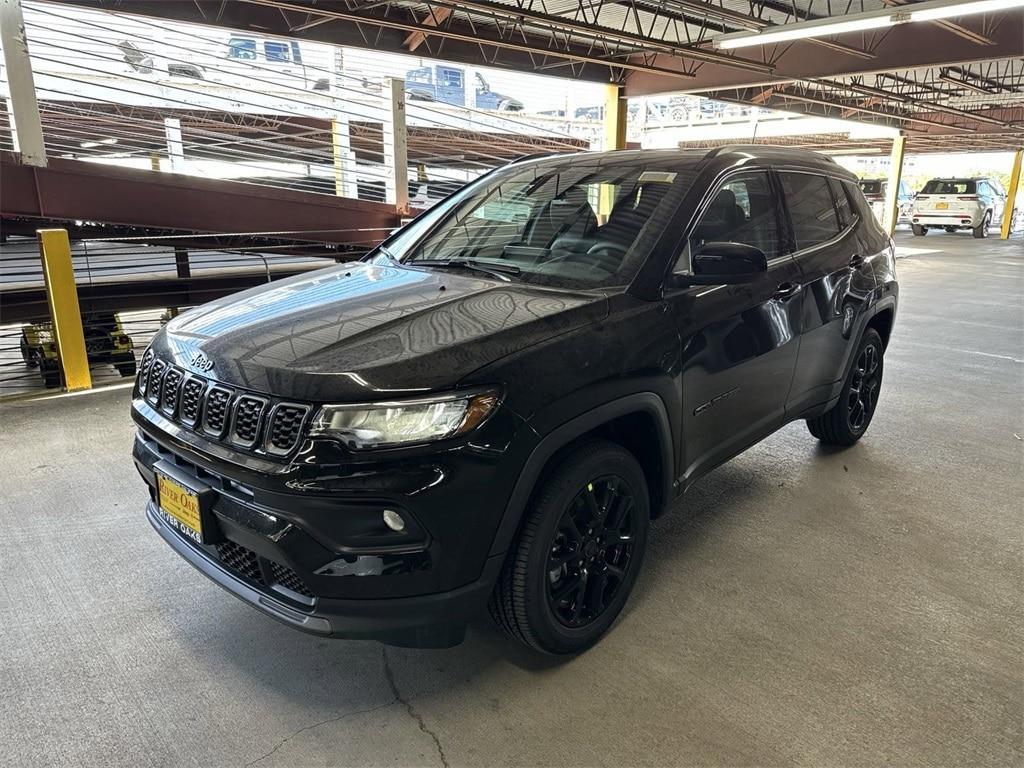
(76, 314)
(130, 91)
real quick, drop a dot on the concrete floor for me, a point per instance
(802, 607)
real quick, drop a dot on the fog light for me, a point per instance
(393, 520)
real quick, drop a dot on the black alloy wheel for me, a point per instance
(591, 551)
(862, 394)
(572, 567)
(846, 421)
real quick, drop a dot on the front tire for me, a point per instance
(951, 230)
(847, 421)
(918, 230)
(578, 554)
(982, 229)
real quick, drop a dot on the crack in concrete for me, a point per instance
(329, 720)
(409, 708)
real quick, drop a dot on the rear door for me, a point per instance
(836, 276)
(739, 341)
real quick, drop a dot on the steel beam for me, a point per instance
(903, 47)
(74, 190)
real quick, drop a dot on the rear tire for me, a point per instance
(951, 230)
(27, 352)
(847, 421)
(126, 370)
(50, 374)
(918, 230)
(982, 229)
(578, 553)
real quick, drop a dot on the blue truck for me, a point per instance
(447, 84)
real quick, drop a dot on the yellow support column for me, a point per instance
(891, 213)
(615, 107)
(614, 137)
(65, 315)
(1011, 195)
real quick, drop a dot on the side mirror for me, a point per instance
(721, 262)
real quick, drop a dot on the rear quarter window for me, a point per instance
(811, 208)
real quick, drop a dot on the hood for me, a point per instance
(358, 332)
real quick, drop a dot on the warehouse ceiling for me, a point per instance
(947, 78)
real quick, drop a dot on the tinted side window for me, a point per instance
(276, 51)
(857, 201)
(742, 211)
(811, 208)
(242, 48)
(842, 202)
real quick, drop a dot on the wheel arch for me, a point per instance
(628, 421)
(882, 321)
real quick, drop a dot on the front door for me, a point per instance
(739, 341)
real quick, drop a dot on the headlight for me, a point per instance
(381, 425)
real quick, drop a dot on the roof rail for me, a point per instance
(755, 148)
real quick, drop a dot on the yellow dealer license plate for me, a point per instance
(942, 206)
(180, 507)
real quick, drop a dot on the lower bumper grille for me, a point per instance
(245, 562)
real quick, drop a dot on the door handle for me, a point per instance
(856, 261)
(785, 290)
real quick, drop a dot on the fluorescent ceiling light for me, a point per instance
(930, 10)
(921, 13)
(802, 31)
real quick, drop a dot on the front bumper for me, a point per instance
(427, 621)
(303, 540)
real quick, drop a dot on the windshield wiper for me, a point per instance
(496, 270)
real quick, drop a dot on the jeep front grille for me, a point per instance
(246, 426)
(147, 361)
(156, 373)
(285, 427)
(169, 401)
(191, 393)
(215, 412)
(244, 420)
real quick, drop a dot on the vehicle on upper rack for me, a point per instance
(105, 342)
(447, 84)
(958, 203)
(489, 409)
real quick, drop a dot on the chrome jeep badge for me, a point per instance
(202, 363)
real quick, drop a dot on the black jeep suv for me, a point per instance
(490, 407)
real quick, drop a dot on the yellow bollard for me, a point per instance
(65, 315)
(1011, 195)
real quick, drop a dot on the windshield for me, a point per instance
(871, 187)
(577, 223)
(949, 187)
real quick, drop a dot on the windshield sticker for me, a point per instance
(657, 177)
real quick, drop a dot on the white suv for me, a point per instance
(954, 204)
